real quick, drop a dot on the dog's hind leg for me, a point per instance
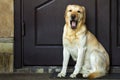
(98, 65)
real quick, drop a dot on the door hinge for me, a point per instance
(23, 28)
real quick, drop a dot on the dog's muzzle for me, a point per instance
(73, 22)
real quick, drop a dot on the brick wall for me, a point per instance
(6, 35)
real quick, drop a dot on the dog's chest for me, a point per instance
(71, 40)
(73, 50)
(71, 43)
(74, 53)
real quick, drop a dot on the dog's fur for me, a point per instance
(91, 58)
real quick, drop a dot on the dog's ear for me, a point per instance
(66, 10)
(65, 13)
(84, 13)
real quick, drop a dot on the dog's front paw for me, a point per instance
(85, 75)
(73, 75)
(61, 75)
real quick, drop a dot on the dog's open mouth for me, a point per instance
(73, 24)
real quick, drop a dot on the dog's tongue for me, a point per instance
(73, 23)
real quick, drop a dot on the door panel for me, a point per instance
(103, 23)
(48, 24)
(115, 32)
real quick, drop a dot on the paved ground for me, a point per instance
(36, 76)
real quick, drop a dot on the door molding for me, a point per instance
(18, 63)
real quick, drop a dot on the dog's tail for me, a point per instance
(96, 75)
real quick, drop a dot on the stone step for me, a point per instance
(39, 76)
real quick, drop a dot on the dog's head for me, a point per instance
(74, 15)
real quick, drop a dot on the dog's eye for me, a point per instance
(78, 11)
(70, 10)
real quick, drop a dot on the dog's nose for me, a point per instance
(73, 16)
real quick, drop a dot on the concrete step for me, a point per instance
(52, 76)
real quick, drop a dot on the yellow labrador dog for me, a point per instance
(91, 58)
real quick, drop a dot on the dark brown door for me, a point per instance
(42, 28)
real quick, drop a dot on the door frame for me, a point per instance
(18, 63)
